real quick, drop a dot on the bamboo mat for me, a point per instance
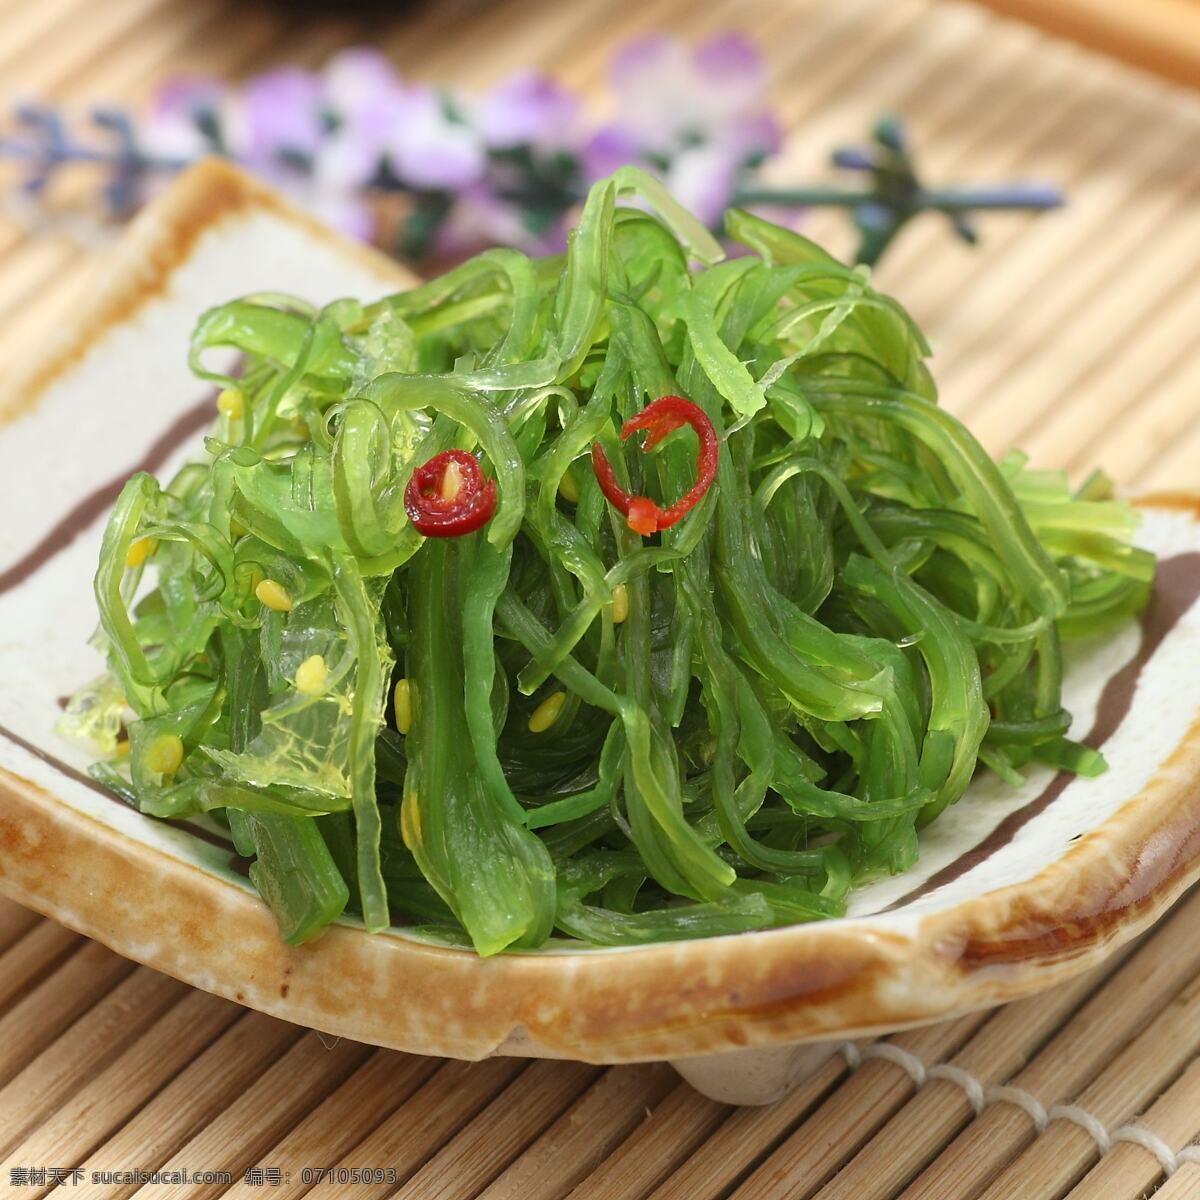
(1162, 36)
(1073, 335)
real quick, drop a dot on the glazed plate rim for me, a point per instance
(849, 977)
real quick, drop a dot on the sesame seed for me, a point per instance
(452, 481)
(231, 403)
(620, 603)
(311, 675)
(403, 702)
(165, 754)
(547, 712)
(568, 489)
(140, 550)
(273, 595)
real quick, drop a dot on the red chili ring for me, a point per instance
(469, 505)
(659, 418)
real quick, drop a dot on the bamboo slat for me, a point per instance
(40, 948)
(1020, 402)
(113, 1095)
(937, 1112)
(477, 1154)
(1129, 1170)
(738, 1143)
(852, 1115)
(82, 36)
(412, 1134)
(671, 1133)
(1184, 1185)
(1072, 333)
(1122, 179)
(30, 25)
(1158, 419)
(1158, 35)
(84, 1048)
(1134, 1077)
(586, 1133)
(1069, 1061)
(262, 1113)
(50, 1006)
(195, 1099)
(15, 923)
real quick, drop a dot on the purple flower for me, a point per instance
(359, 83)
(280, 118)
(702, 179)
(428, 149)
(480, 218)
(607, 149)
(695, 115)
(698, 116)
(669, 97)
(753, 136)
(732, 64)
(172, 126)
(729, 56)
(346, 161)
(362, 96)
(528, 109)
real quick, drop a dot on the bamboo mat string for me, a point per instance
(1132, 1078)
(979, 1096)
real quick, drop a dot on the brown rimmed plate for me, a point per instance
(1016, 890)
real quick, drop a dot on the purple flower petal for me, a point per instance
(480, 219)
(730, 78)
(730, 55)
(428, 150)
(171, 127)
(346, 161)
(670, 97)
(702, 179)
(362, 89)
(359, 80)
(657, 92)
(755, 135)
(186, 95)
(608, 148)
(281, 115)
(640, 57)
(528, 109)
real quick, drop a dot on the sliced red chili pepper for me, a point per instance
(449, 496)
(660, 417)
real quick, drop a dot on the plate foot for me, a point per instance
(759, 1076)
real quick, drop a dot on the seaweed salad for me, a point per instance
(637, 593)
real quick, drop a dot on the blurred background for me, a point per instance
(440, 126)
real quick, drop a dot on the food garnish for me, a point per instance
(448, 496)
(659, 418)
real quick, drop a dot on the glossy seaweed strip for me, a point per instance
(552, 724)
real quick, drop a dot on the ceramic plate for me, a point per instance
(1015, 890)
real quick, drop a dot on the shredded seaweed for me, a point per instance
(723, 726)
